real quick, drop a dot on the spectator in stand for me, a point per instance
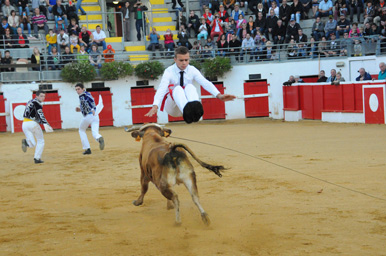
(382, 72)
(315, 7)
(108, 54)
(23, 6)
(73, 28)
(63, 40)
(279, 33)
(332, 78)
(169, 42)
(95, 57)
(126, 20)
(86, 38)
(99, 37)
(53, 60)
(262, 9)
(181, 20)
(323, 48)
(298, 79)
(333, 47)
(252, 5)
(39, 4)
(345, 45)
(240, 21)
(79, 7)
(340, 8)
(325, 8)
(37, 58)
(270, 24)
(59, 10)
(193, 23)
(290, 81)
(343, 26)
(230, 29)
(354, 31)
(242, 33)
(175, 3)
(8, 39)
(301, 38)
(183, 39)
(275, 9)
(330, 27)
(7, 9)
(306, 4)
(318, 29)
(236, 12)
(224, 16)
(67, 56)
(26, 24)
(322, 77)
(292, 30)
(39, 21)
(222, 46)
(234, 47)
(196, 50)
(14, 22)
(229, 4)
(216, 28)
(259, 41)
(138, 9)
(51, 39)
(7, 60)
(363, 75)
(260, 23)
(214, 6)
(208, 16)
(285, 12)
(292, 49)
(60, 26)
(369, 12)
(296, 11)
(20, 40)
(71, 12)
(74, 43)
(251, 25)
(154, 44)
(338, 79)
(247, 46)
(82, 56)
(203, 30)
(355, 6)
(379, 11)
(357, 48)
(5, 24)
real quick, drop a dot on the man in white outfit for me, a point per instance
(177, 95)
(33, 116)
(90, 117)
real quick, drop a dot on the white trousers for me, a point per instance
(181, 97)
(92, 120)
(32, 130)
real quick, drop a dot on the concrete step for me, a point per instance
(306, 23)
(135, 48)
(163, 24)
(113, 40)
(164, 28)
(157, 2)
(161, 14)
(89, 17)
(144, 57)
(162, 19)
(94, 8)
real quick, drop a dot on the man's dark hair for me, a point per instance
(40, 92)
(98, 26)
(79, 85)
(181, 50)
(7, 51)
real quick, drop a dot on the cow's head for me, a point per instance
(138, 132)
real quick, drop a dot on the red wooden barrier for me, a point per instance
(374, 105)
(332, 98)
(213, 108)
(142, 96)
(106, 115)
(256, 106)
(3, 123)
(291, 98)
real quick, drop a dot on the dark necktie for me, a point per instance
(182, 78)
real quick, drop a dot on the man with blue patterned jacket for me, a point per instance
(90, 117)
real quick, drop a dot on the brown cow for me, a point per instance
(166, 164)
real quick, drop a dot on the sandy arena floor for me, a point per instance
(82, 205)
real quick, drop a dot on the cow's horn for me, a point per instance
(133, 128)
(151, 124)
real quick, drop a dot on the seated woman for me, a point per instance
(54, 59)
(14, 22)
(222, 46)
(37, 58)
(169, 42)
(338, 79)
(95, 57)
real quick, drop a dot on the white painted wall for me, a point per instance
(275, 73)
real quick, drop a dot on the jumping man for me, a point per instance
(176, 93)
(33, 116)
(90, 117)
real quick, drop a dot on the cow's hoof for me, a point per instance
(169, 205)
(205, 218)
(137, 203)
(178, 223)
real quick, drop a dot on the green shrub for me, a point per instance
(78, 72)
(216, 67)
(149, 70)
(196, 64)
(116, 69)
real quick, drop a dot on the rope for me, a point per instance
(285, 167)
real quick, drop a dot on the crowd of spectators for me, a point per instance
(20, 25)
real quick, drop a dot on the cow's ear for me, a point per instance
(137, 135)
(167, 132)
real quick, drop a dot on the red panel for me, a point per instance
(258, 106)
(377, 116)
(3, 123)
(310, 79)
(348, 91)
(142, 96)
(306, 101)
(375, 76)
(291, 98)
(175, 119)
(52, 112)
(317, 104)
(332, 98)
(213, 108)
(106, 115)
(358, 97)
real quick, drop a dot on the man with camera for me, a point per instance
(139, 9)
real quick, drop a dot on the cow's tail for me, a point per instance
(214, 168)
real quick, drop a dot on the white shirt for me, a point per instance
(99, 36)
(172, 76)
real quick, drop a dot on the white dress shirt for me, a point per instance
(99, 36)
(172, 76)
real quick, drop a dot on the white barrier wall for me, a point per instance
(274, 73)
